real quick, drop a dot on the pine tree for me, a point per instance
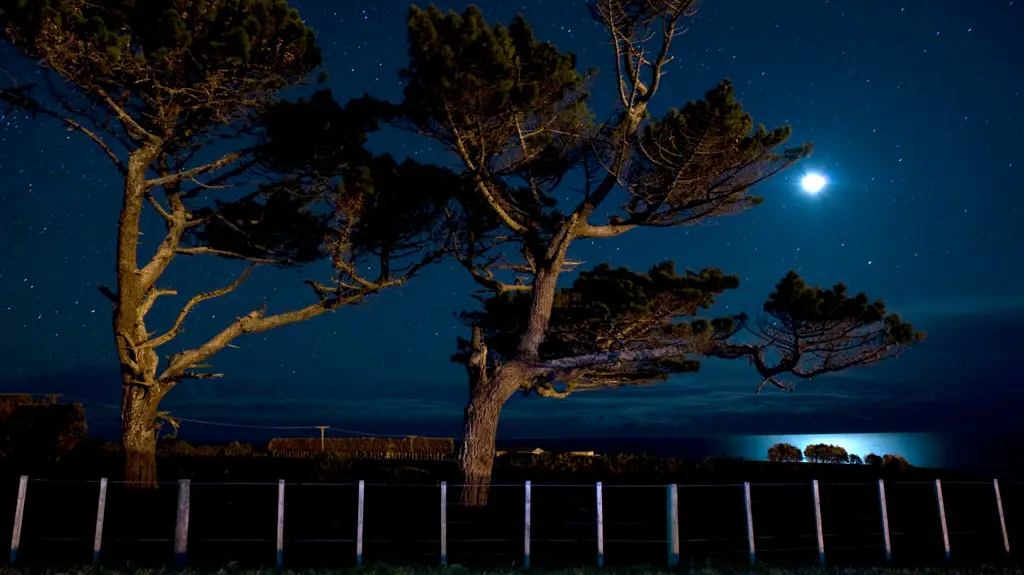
(513, 111)
(155, 85)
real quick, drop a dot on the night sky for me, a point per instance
(915, 109)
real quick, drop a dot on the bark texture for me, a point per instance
(139, 398)
(138, 437)
(476, 454)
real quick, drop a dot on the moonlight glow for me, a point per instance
(813, 183)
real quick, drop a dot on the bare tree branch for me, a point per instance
(160, 209)
(16, 97)
(192, 303)
(191, 174)
(203, 250)
(147, 304)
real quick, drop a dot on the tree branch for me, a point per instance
(16, 98)
(585, 230)
(612, 357)
(254, 322)
(190, 174)
(192, 303)
(160, 209)
(130, 125)
(147, 304)
(203, 250)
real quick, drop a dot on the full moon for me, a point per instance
(813, 183)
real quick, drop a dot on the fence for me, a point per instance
(574, 524)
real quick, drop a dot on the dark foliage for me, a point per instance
(38, 429)
(211, 58)
(610, 309)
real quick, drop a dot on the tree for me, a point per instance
(513, 111)
(892, 461)
(816, 453)
(158, 85)
(872, 459)
(855, 459)
(826, 453)
(785, 453)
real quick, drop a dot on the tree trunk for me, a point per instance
(544, 285)
(476, 454)
(138, 436)
(138, 366)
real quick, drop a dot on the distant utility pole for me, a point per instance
(322, 428)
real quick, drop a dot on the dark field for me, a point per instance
(235, 523)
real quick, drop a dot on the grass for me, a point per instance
(705, 569)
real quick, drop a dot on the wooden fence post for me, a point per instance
(97, 539)
(19, 515)
(359, 525)
(444, 523)
(526, 528)
(1002, 518)
(280, 523)
(817, 522)
(885, 521)
(181, 525)
(942, 518)
(750, 522)
(672, 519)
(600, 527)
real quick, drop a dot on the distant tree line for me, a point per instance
(828, 453)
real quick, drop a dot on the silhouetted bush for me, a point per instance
(39, 429)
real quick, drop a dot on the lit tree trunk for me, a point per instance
(488, 393)
(476, 454)
(140, 394)
(138, 436)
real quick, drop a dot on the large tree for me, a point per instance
(179, 95)
(513, 111)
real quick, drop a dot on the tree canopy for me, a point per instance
(811, 331)
(826, 453)
(172, 67)
(785, 453)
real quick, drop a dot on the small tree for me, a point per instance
(512, 110)
(855, 459)
(785, 453)
(872, 459)
(157, 85)
(897, 462)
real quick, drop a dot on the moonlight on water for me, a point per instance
(813, 183)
